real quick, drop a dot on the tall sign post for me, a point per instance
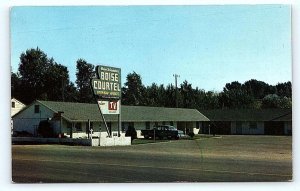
(107, 93)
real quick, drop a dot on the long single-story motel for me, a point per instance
(71, 119)
(74, 120)
(248, 121)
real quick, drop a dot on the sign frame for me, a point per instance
(107, 85)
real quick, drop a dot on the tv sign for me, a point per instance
(109, 107)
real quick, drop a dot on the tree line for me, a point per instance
(40, 77)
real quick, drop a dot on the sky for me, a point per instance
(207, 45)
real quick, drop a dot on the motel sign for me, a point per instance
(107, 93)
(107, 85)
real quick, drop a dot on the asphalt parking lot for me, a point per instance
(213, 159)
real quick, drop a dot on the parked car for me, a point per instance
(161, 132)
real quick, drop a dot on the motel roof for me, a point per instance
(249, 114)
(82, 111)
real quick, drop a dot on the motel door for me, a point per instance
(239, 130)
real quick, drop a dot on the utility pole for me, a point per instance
(176, 76)
(62, 89)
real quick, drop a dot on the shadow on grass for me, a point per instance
(147, 141)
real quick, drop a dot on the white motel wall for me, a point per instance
(28, 120)
(16, 106)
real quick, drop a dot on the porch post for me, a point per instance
(71, 130)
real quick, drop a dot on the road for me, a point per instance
(175, 161)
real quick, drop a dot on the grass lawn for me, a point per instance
(202, 159)
(245, 146)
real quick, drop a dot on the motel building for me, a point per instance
(16, 106)
(74, 119)
(248, 122)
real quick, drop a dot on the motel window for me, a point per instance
(253, 125)
(171, 123)
(147, 125)
(156, 124)
(78, 127)
(37, 109)
(13, 104)
(163, 123)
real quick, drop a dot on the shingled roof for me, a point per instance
(249, 114)
(83, 111)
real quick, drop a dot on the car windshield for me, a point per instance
(172, 128)
(165, 127)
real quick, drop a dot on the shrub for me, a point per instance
(131, 132)
(191, 134)
(45, 129)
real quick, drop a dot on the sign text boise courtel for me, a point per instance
(108, 83)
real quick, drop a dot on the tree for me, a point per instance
(187, 94)
(202, 100)
(32, 69)
(15, 86)
(134, 91)
(211, 100)
(56, 82)
(271, 101)
(85, 72)
(170, 96)
(235, 96)
(284, 89)
(275, 101)
(71, 93)
(40, 77)
(257, 89)
(155, 95)
(285, 102)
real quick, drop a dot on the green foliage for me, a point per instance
(257, 89)
(275, 101)
(284, 89)
(134, 91)
(15, 85)
(45, 129)
(191, 134)
(251, 94)
(84, 73)
(131, 132)
(39, 77)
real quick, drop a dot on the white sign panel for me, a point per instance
(109, 107)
